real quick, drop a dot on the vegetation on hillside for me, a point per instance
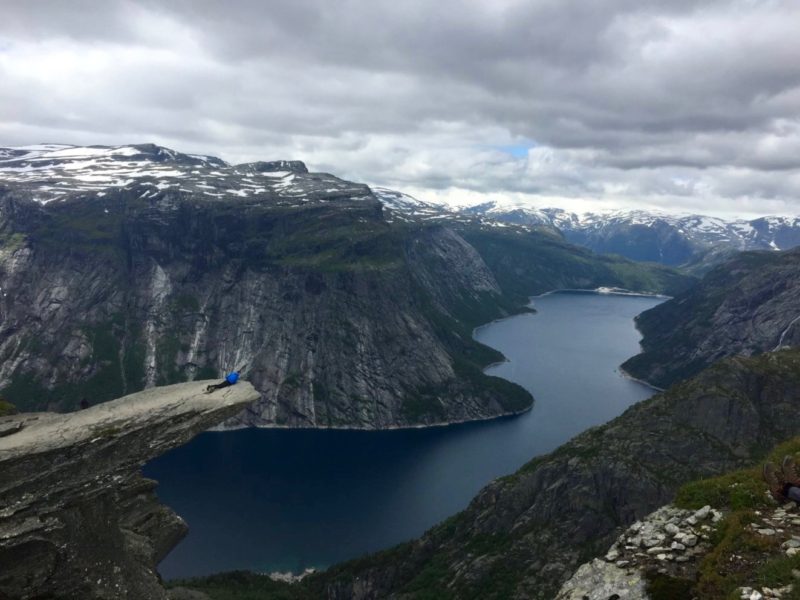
(529, 263)
(740, 306)
(740, 555)
(6, 408)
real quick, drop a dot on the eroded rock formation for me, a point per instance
(77, 519)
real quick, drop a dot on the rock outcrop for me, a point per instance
(749, 305)
(77, 519)
(669, 541)
(744, 546)
(340, 320)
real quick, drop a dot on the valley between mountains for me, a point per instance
(135, 266)
(131, 267)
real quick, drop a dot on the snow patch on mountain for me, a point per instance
(55, 172)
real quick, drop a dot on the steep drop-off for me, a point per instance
(339, 319)
(77, 519)
(127, 267)
(525, 534)
(748, 305)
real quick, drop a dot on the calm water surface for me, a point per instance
(285, 500)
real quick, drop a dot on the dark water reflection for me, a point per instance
(284, 500)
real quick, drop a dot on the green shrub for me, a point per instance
(6, 408)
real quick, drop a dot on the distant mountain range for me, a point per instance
(694, 241)
(56, 171)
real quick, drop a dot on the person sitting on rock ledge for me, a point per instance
(230, 379)
(784, 485)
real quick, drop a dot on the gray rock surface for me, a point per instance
(622, 571)
(77, 519)
(600, 580)
(749, 305)
(194, 267)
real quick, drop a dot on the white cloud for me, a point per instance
(687, 103)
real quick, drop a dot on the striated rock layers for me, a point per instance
(525, 534)
(131, 266)
(340, 319)
(77, 519)
(749, 305)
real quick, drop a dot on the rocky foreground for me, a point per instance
(77, 519)
(668, 541)
(743, 545)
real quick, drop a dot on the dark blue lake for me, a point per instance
(276, 499)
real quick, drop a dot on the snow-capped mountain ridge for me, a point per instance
(52, 172)
(648, 235)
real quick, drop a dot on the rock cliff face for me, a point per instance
(127, 267)
(525, 534)
(339, 319)
(77, 519)
(749, 305)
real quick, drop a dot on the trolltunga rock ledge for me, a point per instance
(77, 519)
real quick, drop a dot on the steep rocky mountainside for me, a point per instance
(748, 305)
(132, 266)
(184, 267)
(77, 519)
(334, 316)
(525, 534)
(537, 261)
(695, 242)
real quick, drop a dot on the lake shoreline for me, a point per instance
(630, 377)
(601, 291)
(437, 425)
(306, 498)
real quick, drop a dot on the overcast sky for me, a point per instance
(675, 104)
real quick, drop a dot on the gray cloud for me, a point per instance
(684, 102)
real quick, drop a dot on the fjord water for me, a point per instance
(276, 499)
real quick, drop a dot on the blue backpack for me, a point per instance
(232, 377)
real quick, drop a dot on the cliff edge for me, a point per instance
(77, 519)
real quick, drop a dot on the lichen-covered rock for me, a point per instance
(600, 580)
(77, 519)
(622, 571)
